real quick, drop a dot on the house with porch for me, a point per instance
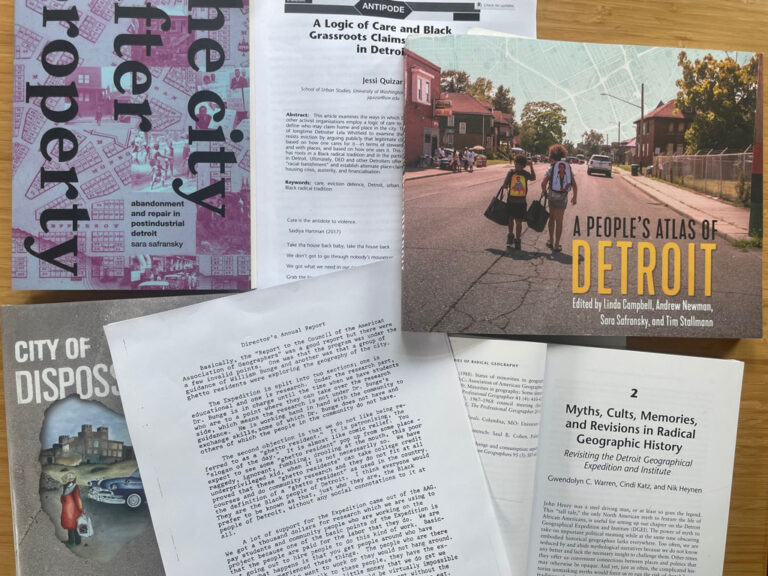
(470, 124)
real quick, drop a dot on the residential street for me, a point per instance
(459, 275)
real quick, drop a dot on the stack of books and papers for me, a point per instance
(326, 423)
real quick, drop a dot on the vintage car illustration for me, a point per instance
(128, 490)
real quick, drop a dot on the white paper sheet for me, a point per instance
(327, 92)
(502, 382)
(635, 463)
(296, 431)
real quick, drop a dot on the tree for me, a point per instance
(454, 81)
(723, 95)
(570, 146)
(503, 101)
(515, 126)
(541, 125)
(481, 89)
(591, 142)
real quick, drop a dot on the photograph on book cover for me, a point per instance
(131, 147)
(649, 222)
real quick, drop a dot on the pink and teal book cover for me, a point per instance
(131, 145)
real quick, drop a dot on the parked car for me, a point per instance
(128, 490)
(599, 164)
(154, 285)
(446, 163)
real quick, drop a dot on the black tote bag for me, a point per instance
(536, 217)
(497, 210)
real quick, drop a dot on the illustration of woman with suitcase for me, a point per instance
(71, 508)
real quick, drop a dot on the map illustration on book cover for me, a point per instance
(77, 496)
(131, 146)
(581, 189)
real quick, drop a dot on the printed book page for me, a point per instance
(634, 472)
(502, 382)
(309, 435)
(329, 160)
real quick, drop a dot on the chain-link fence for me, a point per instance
(723, 174)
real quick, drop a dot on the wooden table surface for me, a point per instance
(734, 25)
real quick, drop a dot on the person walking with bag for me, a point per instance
(558, 182)
(516, 184)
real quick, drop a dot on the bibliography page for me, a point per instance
(296, 430)
(329, 147)
(634, 472)
(502, 385)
